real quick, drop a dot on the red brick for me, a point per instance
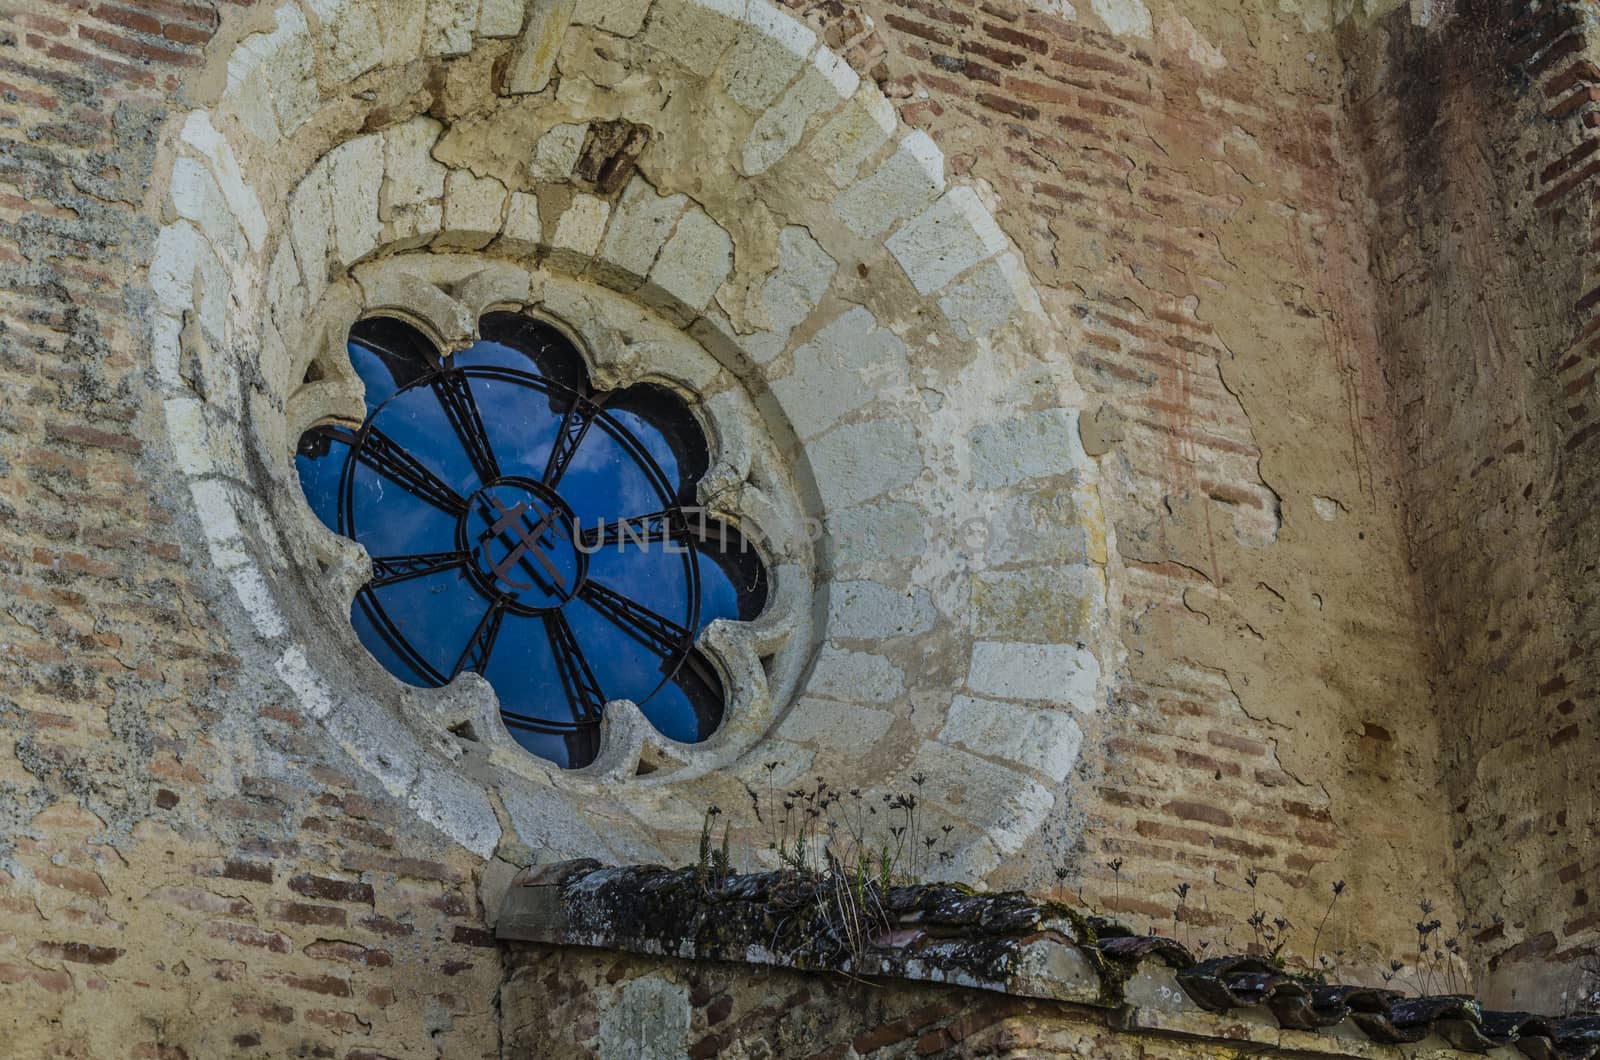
(54, 982)
(329, 889)
(76, 952)
(350, 953)
(262, 1010)
(1199, 811)
(138, 49)
(79, 881)
(382, 925)
(419, 868)
(249, 935)
(342, 1022)
(882, 1036)
(328, 985)
(124, 17)
(1235, 742)
(251, 871)
(305, 913)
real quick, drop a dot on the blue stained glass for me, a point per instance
(534, 531)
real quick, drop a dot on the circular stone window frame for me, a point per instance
(309, 152)
(622, 343)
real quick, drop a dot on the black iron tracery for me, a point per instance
(529, 530)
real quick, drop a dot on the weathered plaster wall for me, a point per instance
(1187, 193)
(1479, 139)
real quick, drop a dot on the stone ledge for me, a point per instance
(1008, 944)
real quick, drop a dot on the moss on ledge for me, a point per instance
(1007, 943)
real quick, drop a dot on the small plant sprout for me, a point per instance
(1316, 940)
(1428, 955)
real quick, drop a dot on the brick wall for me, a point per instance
(1190, 204)
(1195, 205)
(1480, 143)
(159, 897)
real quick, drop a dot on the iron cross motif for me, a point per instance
(528, 541)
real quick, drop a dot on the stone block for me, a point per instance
(351, 36)
(166, 349)
(534, 58)
(311, 227)
(1004, 805)
(979, 304)
(522, 233)
(255, 596)
(820, 721)
(549, 823)
(825, 84)
(860, 461)
(457, 807)
(403, 24)
(863, 610)
(647, 1018)
(1038, 445)
(695, 261)
(903, 186)
(874, 532)
(205, 441)
(792, 292)
(946, 239)
(200, 134)
(219, 519)
(276, 67)
(693, 34)
(1044, 740)
(578, 232)
(1041, 526)
(474, 211)
(286, 298)
(623, 17)
(855, 676)
(450, 26)
(274, 368)
(186, 429)
(312, 694)
(248, 94)
(411, 174)
(846, 366)
(502, 18)
(1124, 17)
(413, 226)
(1037, 603)
(641, 222)
(355, 172)
(1050, 673)
(772, 46)
(196, 197)
(853, 135)
(556, 153)
(181, 255)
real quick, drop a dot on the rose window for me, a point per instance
(524, 526)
